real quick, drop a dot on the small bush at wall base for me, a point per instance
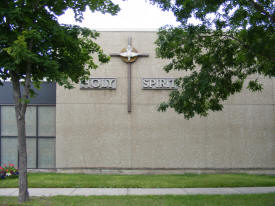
(8, 171)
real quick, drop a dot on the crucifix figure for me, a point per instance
(129, 56)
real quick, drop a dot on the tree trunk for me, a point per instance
(20, 110)
(22, 149)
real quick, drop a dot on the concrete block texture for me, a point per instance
(241, 136)
(94, 129)
(96, 137)
(260, 97)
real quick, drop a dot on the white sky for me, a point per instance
(134, 14)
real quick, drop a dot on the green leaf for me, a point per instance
(234, 40)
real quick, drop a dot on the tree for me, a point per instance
(233, 39)
(35, 47)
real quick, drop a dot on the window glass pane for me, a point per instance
(9, 153)
(46, 152)
(31, 121)
(31, 152)
(8, 121)
(46, 121)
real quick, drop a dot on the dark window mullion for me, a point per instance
(37, 137)
(17, 136)
(0, 136)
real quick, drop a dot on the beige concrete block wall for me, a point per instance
(94, 129)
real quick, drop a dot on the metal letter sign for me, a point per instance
(99, 83)
(158, 83)
(129, 56)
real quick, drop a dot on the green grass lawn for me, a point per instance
(52, 180)
(178, 200)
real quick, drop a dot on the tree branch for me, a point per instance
(27, 81)
(26, 88)
(240, 42)
(7, 19)
(261, 9)
(16, 93)
(36, 5)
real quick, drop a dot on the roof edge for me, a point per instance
(126, 29)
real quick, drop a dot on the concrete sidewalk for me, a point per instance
(137, 191)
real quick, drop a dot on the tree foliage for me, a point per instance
(233, 40)
(31, 35)
(34, 47)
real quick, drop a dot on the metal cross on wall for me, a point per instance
(129, 56)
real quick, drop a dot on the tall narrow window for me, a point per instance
(46, 137)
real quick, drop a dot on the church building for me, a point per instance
(110, 124)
